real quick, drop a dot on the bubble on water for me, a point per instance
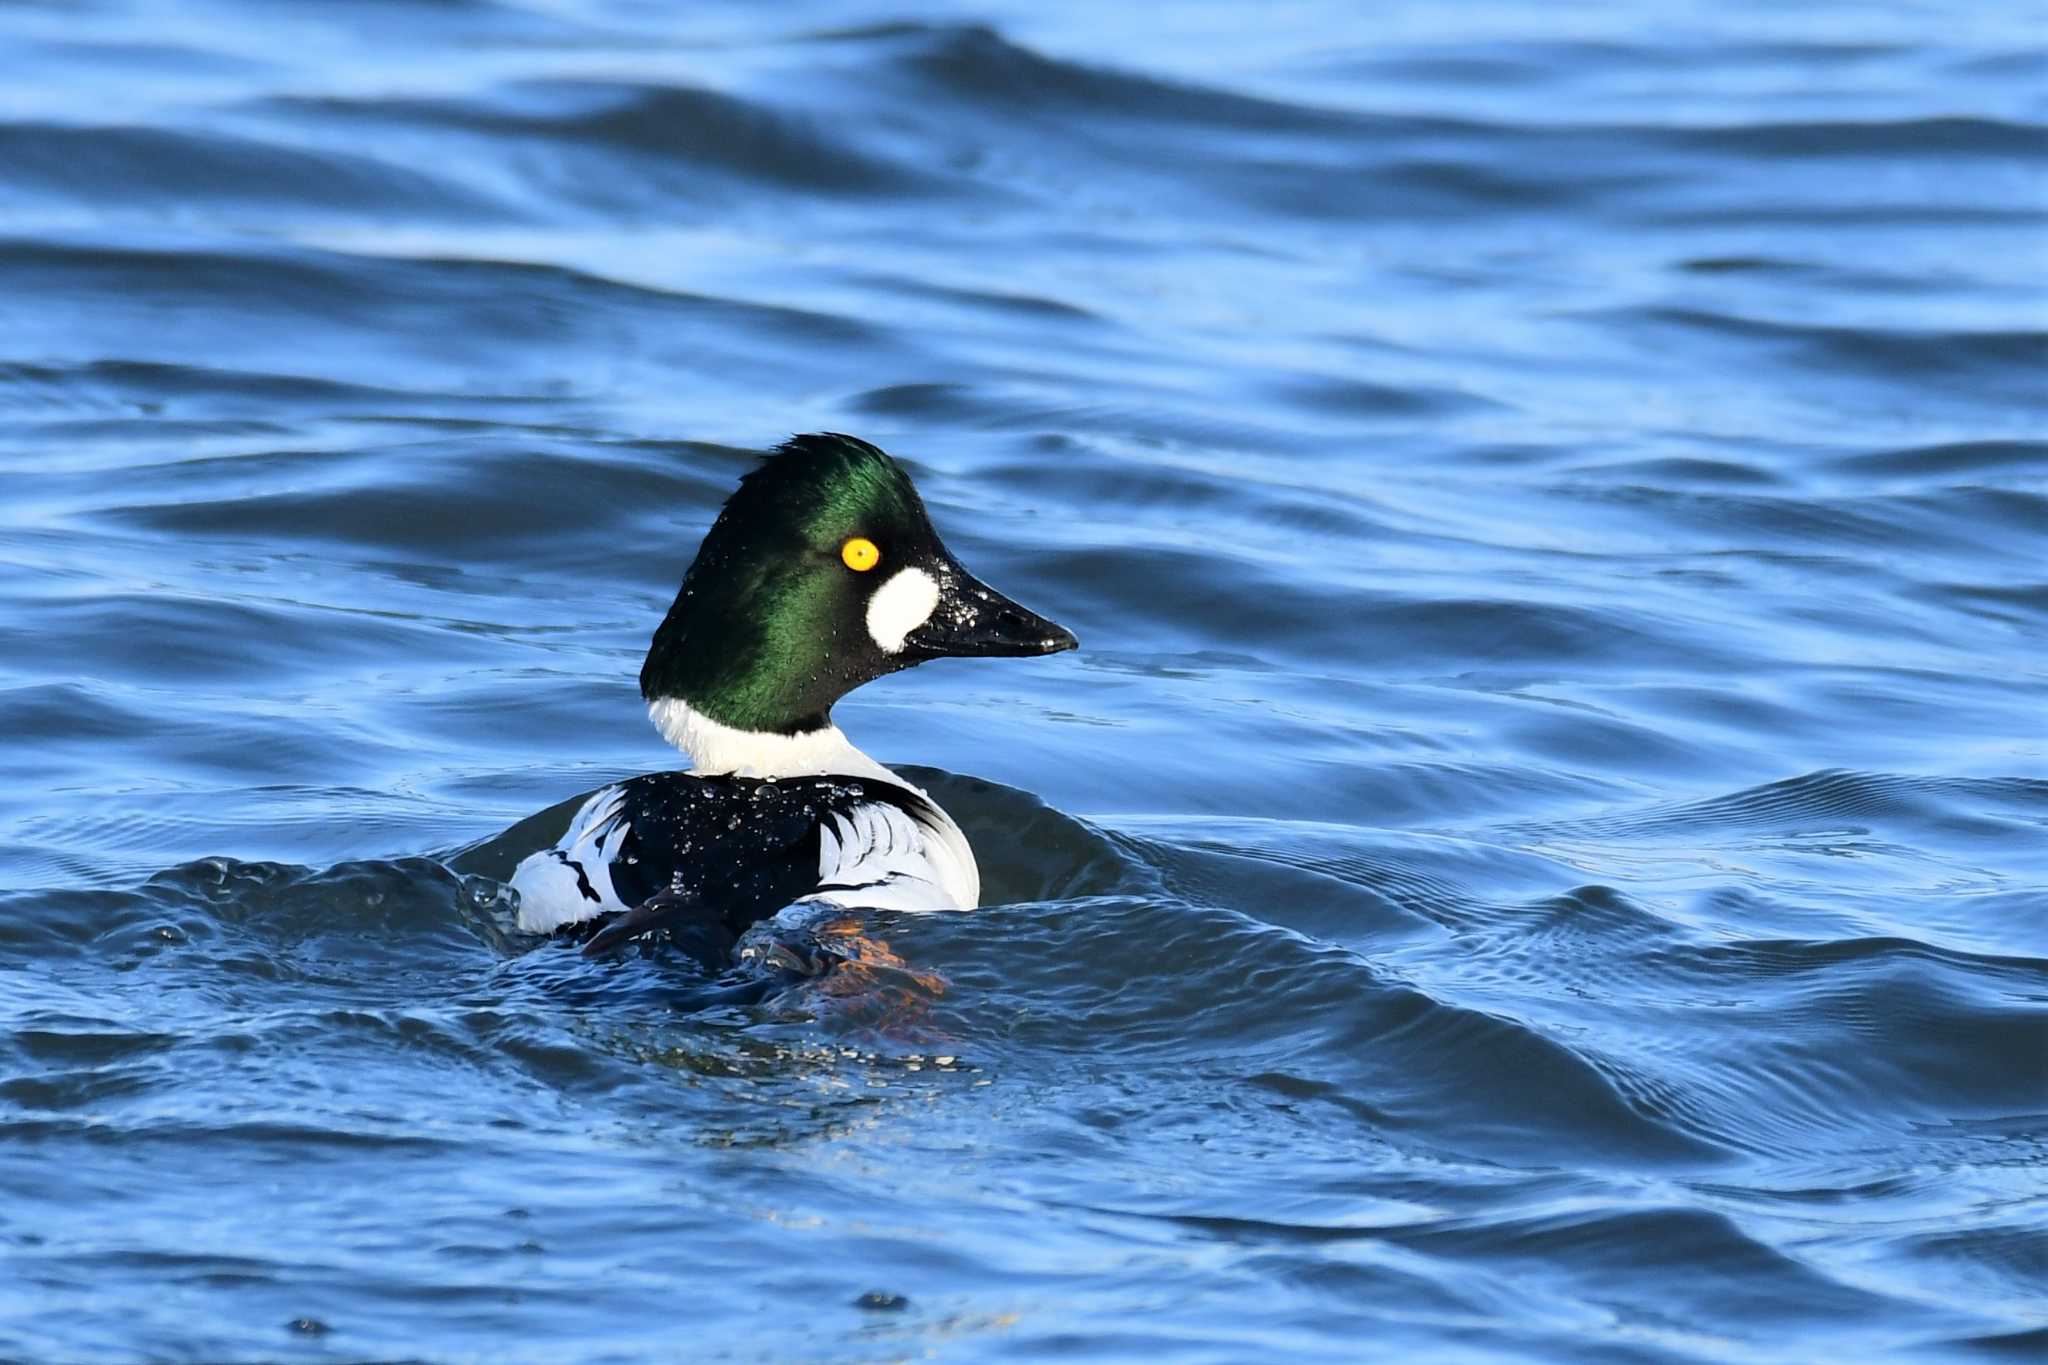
(484, 893)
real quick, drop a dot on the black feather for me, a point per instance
(706, 858)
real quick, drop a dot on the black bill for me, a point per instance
(974, 621)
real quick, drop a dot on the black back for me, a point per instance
(706, 858)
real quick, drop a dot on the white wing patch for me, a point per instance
(572, 881)
(877, 857)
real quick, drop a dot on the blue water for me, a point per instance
(1540, 854)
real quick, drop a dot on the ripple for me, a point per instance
(1826, 800)
(1932, 137)
(1637, 1250)
(979, 65)
(1960, 459)
(687, 128)
(2006, 361)
(120, 168)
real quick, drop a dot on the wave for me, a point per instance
(2006, 359)
(1951, 460)
(1942, 138)
(1832, 798)
(977, 65)
(121, 168)
(681, 127)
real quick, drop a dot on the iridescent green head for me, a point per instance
(821, 573)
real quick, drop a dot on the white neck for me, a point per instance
(715, 749)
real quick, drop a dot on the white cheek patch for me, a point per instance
(900, 606)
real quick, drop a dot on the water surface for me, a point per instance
(1540, 853)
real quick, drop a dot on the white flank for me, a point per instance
(900, 606)
(876, 857)
(550, 883)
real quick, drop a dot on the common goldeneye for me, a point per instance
(821, 573)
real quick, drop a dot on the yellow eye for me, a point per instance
(860, 554)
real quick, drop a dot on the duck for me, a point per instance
(821, 572)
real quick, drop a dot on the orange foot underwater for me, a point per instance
(832, 967)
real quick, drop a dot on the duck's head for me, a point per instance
(821, 573)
